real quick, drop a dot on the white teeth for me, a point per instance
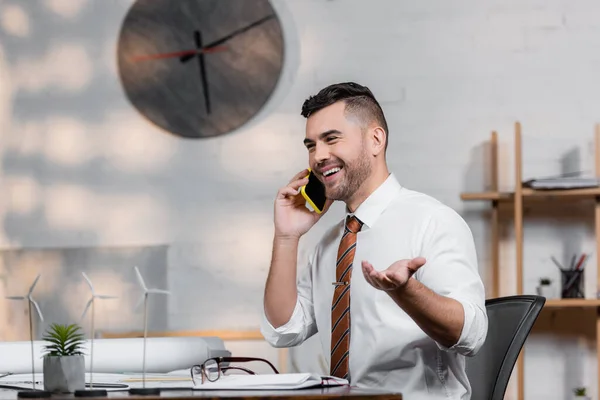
(331, 171)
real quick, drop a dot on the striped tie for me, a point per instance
(340, 309)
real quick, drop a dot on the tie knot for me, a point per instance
(353, 224)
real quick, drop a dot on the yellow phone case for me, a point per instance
(308, 199)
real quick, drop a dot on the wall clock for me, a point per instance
(200, 68)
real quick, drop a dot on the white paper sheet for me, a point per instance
(270, 382)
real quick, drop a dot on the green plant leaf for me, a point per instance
(63, 340)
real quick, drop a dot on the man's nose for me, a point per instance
(321, 152)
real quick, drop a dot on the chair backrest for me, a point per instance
(510, 320)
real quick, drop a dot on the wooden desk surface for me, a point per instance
(301, 394)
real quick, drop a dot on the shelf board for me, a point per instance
(560, 303)
(587, 192)
(501, 196)
(531, 193)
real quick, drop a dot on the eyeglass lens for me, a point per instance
(211, 369)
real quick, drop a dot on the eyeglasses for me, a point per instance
(211, 370)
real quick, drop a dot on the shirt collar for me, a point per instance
(377, 202)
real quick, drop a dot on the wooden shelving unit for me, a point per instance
(517, 199)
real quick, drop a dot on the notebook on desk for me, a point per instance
(271, 382)
(121, 382)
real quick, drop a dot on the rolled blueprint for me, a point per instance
(163, 354)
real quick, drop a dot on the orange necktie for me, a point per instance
(340, 309)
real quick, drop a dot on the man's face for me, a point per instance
(337, 151)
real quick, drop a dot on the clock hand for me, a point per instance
(231, 35)
(185, 53)
(198, 39)
(242, 30)
(187, 57)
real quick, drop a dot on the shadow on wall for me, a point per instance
(84, 168)
(91, 184)
(60, 171)
(62, 160)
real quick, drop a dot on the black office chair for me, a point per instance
(510, 320)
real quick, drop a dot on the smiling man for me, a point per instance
(393, 289)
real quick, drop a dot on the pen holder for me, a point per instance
(572, 284)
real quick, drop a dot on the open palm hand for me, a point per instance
(395, 276)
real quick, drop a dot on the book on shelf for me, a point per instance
(562, 183)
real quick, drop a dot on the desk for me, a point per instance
(301, 394)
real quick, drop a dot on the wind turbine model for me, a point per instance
(90, 303)
(144, 299)
(31, 393)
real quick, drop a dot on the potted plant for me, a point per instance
(544, 288)
(580, 393)
(64, 362)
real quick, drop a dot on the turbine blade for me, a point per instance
(37, 308)
(140, 279)
(87, 307)
(37, 278)
(140, 302)
(159, 291)
(89, 282)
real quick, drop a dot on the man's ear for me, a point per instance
(378, 137)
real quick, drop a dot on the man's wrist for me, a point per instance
(403, 291)
(286, 240)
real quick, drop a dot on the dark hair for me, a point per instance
(359, 101)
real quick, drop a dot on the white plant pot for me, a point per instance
(547, 291)
(64, 374)
(581, 398)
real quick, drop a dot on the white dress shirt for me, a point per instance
(387, 348)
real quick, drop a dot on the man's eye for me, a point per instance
(331, 138)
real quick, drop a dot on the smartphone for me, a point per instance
(314, 193)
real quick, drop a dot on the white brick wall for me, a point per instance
(447, 74)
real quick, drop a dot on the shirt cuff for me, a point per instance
(287, 334)
(473, 332)
(288, 326)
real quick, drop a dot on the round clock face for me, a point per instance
(200, 68)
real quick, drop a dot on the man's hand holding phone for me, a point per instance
(292, 217)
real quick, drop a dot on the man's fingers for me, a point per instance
(376, 275)
(287, 191)
(396, 277)
(416, 263)
(298, 183)
(371, 272)
(389, 276)
(301, 174)
(419, 260)
(366, 269)
(292, 189)
(368, 279)
(294, 185)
